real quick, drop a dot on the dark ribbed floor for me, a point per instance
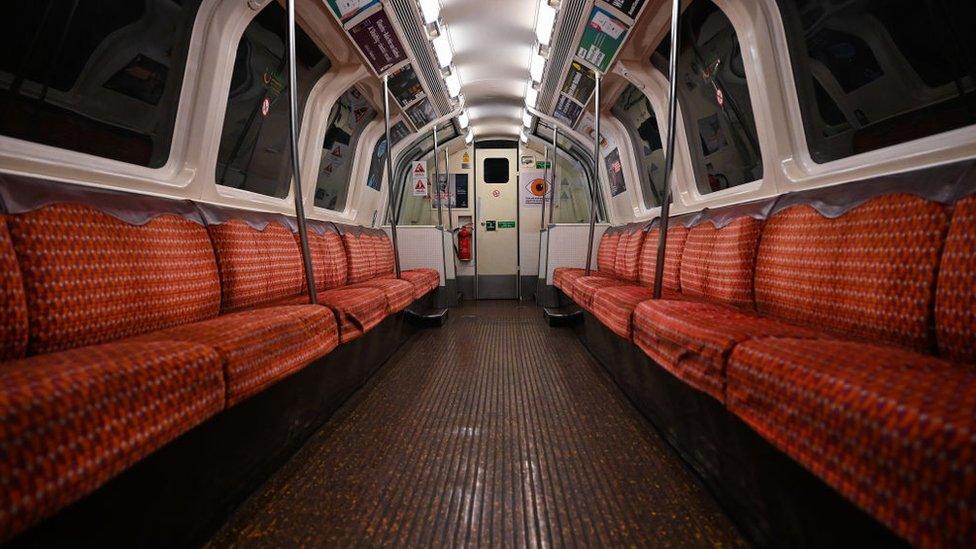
(494, 430)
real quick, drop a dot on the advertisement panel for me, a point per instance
(375, 37)
(615, 173)
(579, 83)
(567, 110)
(405, 86)
(602, 38)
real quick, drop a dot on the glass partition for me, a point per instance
(349, 117)
(634, 111)
(573, 176)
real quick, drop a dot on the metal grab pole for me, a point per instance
(447, 184)
(669, 154)
(555, 159)
(545, 186)
(389, 172)
(596, 171)
(437, 184)
(296, 176)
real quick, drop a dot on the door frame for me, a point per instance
(496, 144)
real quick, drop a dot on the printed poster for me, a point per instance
(422, 113)
(615, 173)
(405, 86)
(457, 183)
(377, 166)
(567, 110)
(379, 42)
(628, 7)
(534, 189)
(398, 132)
(419, 178)
(580, 83)
(346, 10)
(602, 38)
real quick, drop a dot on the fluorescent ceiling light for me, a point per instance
(526, 119)
(536, 68)
(545, 22)
(523, 137)
(531, 96)
(431, 10)
(463, 119)
(453, 84)
(442, 47)
(469, 138)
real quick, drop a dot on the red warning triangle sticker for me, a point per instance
(420, 169)
(420, 186)
(337, 152)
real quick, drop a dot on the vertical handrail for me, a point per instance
(447, 184)
(389, 172)
(545, 186)
(596, 172)
(555, 159)
(669, 154)
(296, 175)
(437, 185)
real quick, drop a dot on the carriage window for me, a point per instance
(255, 149)
(715, 102)
(571, 204)
(634, 111)
(876, 73)
(349, 117)
(101, 78)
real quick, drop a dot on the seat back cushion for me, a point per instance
(627, 262)
(717, 263)
(606, 253)
(13, 304)
(383, 254)
(359, 256)
(328, 260)
(867, 274)
(257, 266)
(91, 278)
(955, 302)
(677, 234)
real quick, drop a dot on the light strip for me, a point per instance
(430, 9)
(545, 21)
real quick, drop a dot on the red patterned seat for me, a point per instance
(328, 258)
(614, 306)
(868, 274)
(74, 419)
(399, 293)
(692, 339)
(259, 347)
(718, 263)
(358, 310)
(13, 304)
(424, 280)
(257, 265)
(890, 429)
(586, 287)
(565, 278)
(90, 278)
(359, 255)
(955, 305)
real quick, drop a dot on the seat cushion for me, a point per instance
(359, 256)
(672, 257)
(614, 306)
(398, 292)
(423, 280)
(13, 303)
(357, 310)
(257, 266)
(585, 287)
(91, 278)
(564, 277)
(627, 261)
(693, 339)
(72, 420)
(328, 259)
(259, 347)
(955, 305)
(868, 274)
(892, 430)
(718, 263)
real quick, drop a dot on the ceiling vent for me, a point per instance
(562, 50)
(413, 28)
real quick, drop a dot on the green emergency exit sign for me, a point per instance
(506, 224)
(489, 225)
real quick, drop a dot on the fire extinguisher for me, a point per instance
(464, 244)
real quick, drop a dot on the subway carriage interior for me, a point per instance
(488, 273)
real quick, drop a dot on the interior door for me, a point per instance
(497, 227)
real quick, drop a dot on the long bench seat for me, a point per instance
(842, 333)
(128, 320)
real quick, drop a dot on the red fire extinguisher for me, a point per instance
(464, 244)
